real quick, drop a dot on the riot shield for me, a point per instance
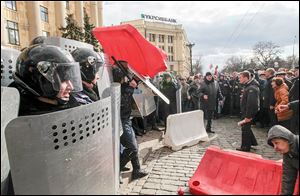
(8, 64)
(10, 100)
(64, 152)
(66, 44)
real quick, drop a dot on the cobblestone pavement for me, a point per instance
(169, 170)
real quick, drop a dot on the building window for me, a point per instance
(162, 47)
(170, 38)
(45, 33)
(151, 37)
(170, 49)
(44, 14)
(170, 58)
(11, 5)
(171, 67)
(13, 32)
(67, 5)
(161, 38)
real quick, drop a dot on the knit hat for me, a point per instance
(208, 74)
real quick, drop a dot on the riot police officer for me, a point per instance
(127, 139)
(45, 77)
(90, 63)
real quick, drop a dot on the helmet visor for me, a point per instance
(62, 75)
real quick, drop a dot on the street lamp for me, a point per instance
(190, 45)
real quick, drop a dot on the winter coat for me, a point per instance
(169, 90)
(193, 90)
(126, 101)
(236, 87)
(225, 87)
(184, 91)
(268, 94)
(212, 90)
(294, 105)
(282, 98)
(294, 90)
(290, 159)
(250, 99)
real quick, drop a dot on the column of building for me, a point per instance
(94, 13)
(3, 32)
(34, 19)
(79, 12)
(60, 15)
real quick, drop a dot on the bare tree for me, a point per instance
(266, 52)
(237, 63)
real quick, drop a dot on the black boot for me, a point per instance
(125, 169)
(155, 128)
(138, 174)
(125, 157)
(244, 149)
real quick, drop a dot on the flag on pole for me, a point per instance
(124, 42)
(216, 70)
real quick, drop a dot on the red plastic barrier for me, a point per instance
(223, 172)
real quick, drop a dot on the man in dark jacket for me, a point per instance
(127, 139)
(287, 144)
(225, 88)
(249, 108)
(193, 92)
(269, 96)
(235, 95)
(294, 105)
(209, 93)
(294, 91)
(169, 87)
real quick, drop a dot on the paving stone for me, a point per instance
(148, 192)
(169, 187)
(150, 185)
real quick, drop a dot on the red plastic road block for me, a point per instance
(223, 172)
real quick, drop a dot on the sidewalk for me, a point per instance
(169, 170)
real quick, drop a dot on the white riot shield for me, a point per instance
(65, 152)
(10, 100)
(150, 85)
(67, 44)
(144, 101)
(8, 64)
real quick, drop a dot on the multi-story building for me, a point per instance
(171, 38)
(21, 21)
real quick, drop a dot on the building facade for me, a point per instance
(21, 21)
(169, 37)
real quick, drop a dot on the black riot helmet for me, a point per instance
(90, 63)
(38, 40)
(44, 70)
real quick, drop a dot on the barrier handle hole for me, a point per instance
(196, 183)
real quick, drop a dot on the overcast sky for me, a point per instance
(220, 29)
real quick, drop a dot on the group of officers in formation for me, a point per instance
(50, 79)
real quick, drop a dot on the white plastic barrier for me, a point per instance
(144, 101)
(185, 129)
